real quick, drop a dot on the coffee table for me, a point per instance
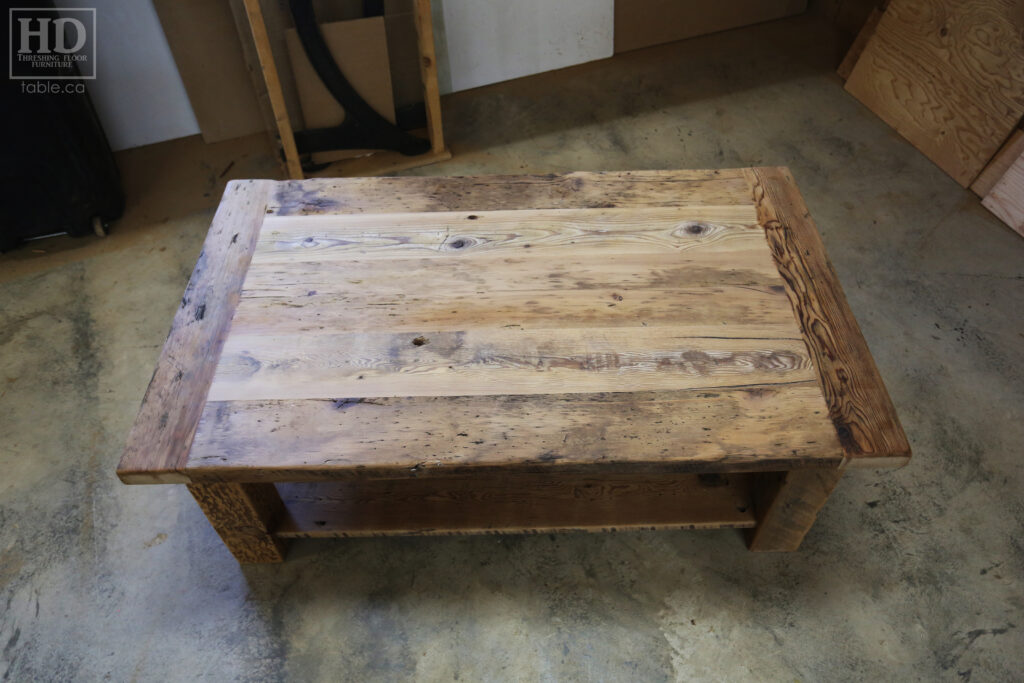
(512, 354)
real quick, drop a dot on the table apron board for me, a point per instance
(514, 504)
(257, 520)
(512, 354)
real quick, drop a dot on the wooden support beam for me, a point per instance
(428, 72)
(786, 505)
(245, 517)
(273, 82)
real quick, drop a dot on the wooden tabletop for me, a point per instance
(683, 321)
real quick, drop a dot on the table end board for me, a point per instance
(859, 405)
(576, 190)
(162, 433)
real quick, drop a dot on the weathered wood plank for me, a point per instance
(738, 261)
(999, 164)
(541, 269)
(625, 189)
(948, 75)
(515, 504)
(285, 239)
(245, 517)
(703, 311)
(858, 402)
(159, 440)
(486, 362)
(1006, 200)
(762, 427)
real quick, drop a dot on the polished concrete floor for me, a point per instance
(913, 574)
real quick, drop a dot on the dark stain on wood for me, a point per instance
(343, 403)
(294, 199)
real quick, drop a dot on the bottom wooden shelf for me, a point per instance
(515, 504)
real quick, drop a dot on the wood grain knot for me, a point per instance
(463, 242)
(696, 229)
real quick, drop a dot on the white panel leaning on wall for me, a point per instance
(488, 41)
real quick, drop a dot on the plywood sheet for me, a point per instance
(948, 75)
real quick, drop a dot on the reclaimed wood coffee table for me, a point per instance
(589, 351)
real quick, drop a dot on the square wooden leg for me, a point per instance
(245, 517)
(786, 504)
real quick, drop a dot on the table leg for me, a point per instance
(787, 503)
(244, 515)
